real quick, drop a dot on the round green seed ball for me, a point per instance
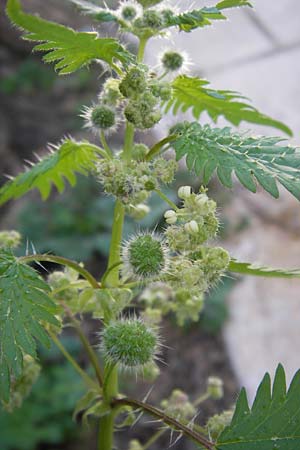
(129, 342)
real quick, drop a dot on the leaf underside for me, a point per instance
(245, 268)
(24, 306)
(273, 422)
(59, 165)
(68, 49)
(193, 93)
(253, 159)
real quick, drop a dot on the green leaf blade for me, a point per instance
(192, 93)
(70, 49)
(233, 4)
(25, 308)
(245, 268)
(273, 422)
(60, 164)
(253, 159)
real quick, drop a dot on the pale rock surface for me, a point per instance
(258, 54)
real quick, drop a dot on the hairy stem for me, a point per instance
(170, 421)
(64, 262)
(105, 145)
(166, 199)
(87, 346)
(90, 383)
(157, 148)
(110, 390)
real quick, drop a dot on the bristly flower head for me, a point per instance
(100, 117)
(145, 256)
(174, 61)
(129, 343)
(129, 10)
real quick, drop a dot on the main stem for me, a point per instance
(110, 390)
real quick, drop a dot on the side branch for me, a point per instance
(64, 262)
(173, 423)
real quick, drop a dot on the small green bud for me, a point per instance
(21, 387)
(134, 83)
(139, 152)
(111, 93)
(170, 216)
(217, 423)
(144, 256)
(191, 227)
(150, 372)
(152, 316)
(129, 343)
(172, 61)
(184, 192)
(215, 388)
(151, 19)
(10, 239)
(138, 212)
(103, 117)
(135, 445)
(178, 405)
(165, 169)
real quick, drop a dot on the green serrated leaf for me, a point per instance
(24, 306)
(193, 93)
(69, 49)
(256, 270)
(59, 165)
(199, 18)
(233, 4)
(252, 159)
(101, 14)
(273, 422)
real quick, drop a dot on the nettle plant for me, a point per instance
(153, 273)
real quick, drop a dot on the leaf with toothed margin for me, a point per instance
(61, 163)
(273, 422)
(252, 159)
(225, 4)
(25, 308)
(98, 13)
(68, 49)
(193, 93)
(199, 18)
(256, 270)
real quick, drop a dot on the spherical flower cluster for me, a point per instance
(143, 95)
(100, 117)
(129, 343)
(132, 182)
(144, 256)
(215, 388)
(10, 239)
(196, 221)
(143, 112)
(178, 406)
(21, 387)
(134, 83)
(128, 11)
(110, 94)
